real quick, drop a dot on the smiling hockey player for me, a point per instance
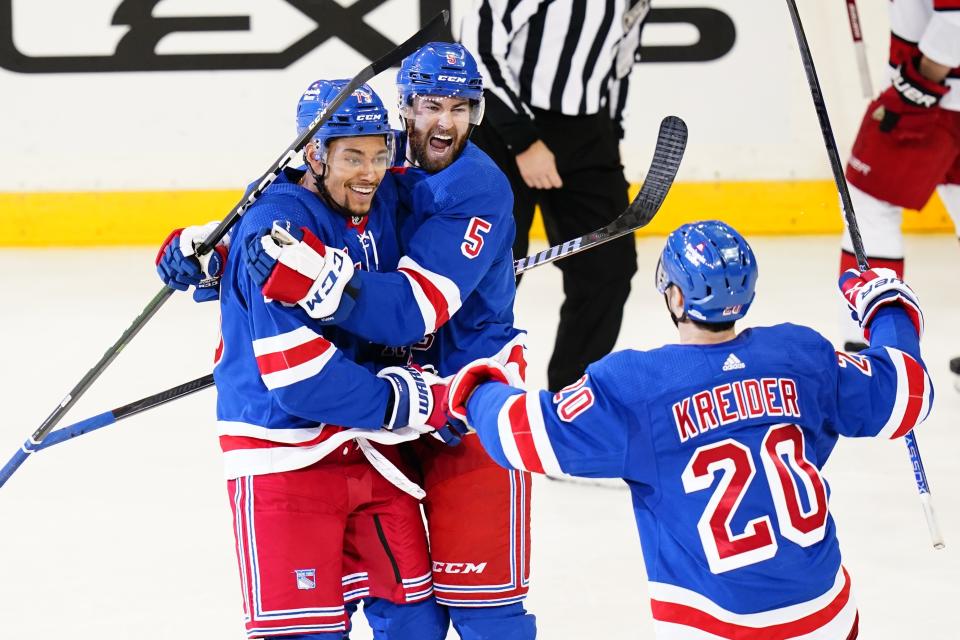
(451, 298)
(322, 515)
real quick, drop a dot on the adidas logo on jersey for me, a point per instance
(733, 362)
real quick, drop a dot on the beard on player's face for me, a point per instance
(438, 132)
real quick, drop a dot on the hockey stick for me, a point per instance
(920, 475)
(853, 15)
(671, 143)
(392, 58)
(109, 417)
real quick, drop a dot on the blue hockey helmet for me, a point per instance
(713, 266)
(361, 114)
(441, 69)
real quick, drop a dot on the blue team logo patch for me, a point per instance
(306, 579)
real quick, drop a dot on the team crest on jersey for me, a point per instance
(306, 579)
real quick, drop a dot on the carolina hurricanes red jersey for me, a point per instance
(933, 28)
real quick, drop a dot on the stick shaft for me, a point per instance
(920, 475)
(395, 56)
(856, 32)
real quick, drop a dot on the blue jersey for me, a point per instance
(281, 377)
(722, 447)
(452, 295)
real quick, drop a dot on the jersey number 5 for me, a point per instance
(787, 471)
(472, 239)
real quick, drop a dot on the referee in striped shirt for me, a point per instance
(555, 78)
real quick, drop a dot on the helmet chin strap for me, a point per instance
(676, 320)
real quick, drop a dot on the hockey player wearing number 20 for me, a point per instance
(322, 516)
(722, 439)
(452, 296)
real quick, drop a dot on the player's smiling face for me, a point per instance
(438, 130)
(355, 168)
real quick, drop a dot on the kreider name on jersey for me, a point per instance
(732, 401)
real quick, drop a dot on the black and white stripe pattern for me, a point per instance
(563, 56)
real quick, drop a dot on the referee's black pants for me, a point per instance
(596, 282)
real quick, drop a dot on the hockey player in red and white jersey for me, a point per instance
(909, 140)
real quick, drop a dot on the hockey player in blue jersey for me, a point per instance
(451, 298)
(322, 515)
(721, 439)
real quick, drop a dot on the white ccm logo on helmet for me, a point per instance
(369, 116)
(451, 79)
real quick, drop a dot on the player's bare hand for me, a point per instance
(538, 167)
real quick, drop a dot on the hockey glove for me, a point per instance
(298, 268)
(418, 399)
(911, 95)
(466, 381)
(180, 268)
(868, 291)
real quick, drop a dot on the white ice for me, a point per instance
(125, 533)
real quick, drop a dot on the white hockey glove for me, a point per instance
(867, 292)
(300, 269)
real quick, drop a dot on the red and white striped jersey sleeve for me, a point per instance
(437, 297)
(581, 430)
(883, 392)
(309, 377)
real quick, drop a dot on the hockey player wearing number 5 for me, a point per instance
(721, 439)
(451, 297)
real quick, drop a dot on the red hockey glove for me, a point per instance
(868, 291)
(910, 96)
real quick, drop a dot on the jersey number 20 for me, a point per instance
(784, 462)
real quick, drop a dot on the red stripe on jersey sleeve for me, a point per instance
(946, 5)
(690, 617)
(434, 296)
(915, 389)
(517, 356)
(280, 360)
(520, 428)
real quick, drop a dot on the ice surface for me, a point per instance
(126, 533)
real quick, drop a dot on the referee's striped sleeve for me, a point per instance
(487, 32)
